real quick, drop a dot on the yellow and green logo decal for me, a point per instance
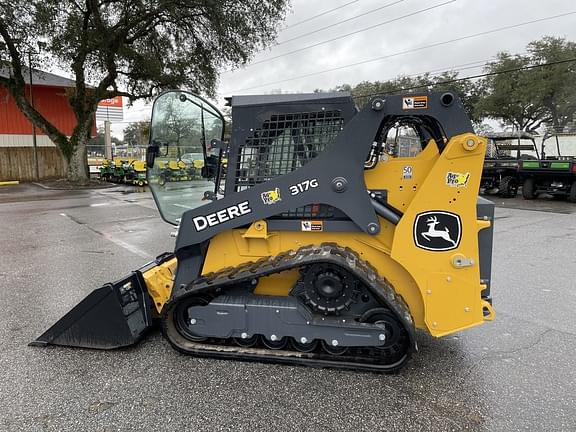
(271, 197)
(458, 180)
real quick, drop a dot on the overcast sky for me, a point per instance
(409, 28)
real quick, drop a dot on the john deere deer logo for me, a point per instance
(437, 231)
(433, 232)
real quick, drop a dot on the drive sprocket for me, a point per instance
(327, 289)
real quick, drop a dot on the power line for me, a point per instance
(346, 35)
(339, 22)
(320, 14)
(412, 50)
(450, 81)
(454, 68)
(439, 71)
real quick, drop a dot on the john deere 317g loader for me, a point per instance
(315, 236)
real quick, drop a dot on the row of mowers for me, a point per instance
(515, 160)
(134, 171)
(177, 170)
(124, 171)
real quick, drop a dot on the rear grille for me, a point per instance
(283, 144)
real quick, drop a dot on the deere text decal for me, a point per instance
(220, 216)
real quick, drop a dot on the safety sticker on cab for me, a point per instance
(309, 225)
(407, 172)
(415, 102)
(457, 180)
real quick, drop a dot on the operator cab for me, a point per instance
(188, 162)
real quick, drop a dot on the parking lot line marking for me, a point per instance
(129, 247)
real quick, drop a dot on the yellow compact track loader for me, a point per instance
(330, 237)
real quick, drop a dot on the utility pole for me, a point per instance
(34, 141)
(107, 140)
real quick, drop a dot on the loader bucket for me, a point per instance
(113, 316)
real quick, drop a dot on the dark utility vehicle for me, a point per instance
(554, 175)
(504, 152)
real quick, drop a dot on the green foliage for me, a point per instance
(142, 46)
(528, 99)
(555, 86)
(508, 94)
(137, 134)
(525, 99)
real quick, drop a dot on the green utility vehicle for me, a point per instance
(504, 153)
(554, 175)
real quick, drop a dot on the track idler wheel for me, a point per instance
(333, 349)
(183, 322)
(246, 342)
(396, 345)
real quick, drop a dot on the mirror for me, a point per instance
(151, 153)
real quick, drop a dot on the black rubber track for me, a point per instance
(356, 358)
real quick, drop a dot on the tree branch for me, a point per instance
(16, 85)
(14, 54)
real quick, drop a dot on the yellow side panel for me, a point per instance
(159, 281)
(389, 175)
(445, 296)
(278, 284)
(451, 293)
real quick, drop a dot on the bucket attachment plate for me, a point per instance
(113, 316)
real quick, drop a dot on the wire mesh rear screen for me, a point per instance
(284, 143)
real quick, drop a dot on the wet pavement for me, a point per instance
(516, 373)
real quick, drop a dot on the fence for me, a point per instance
(17, 163)
(96, 152)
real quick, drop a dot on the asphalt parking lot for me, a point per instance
(517, 373)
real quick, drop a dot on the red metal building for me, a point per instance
(16, 132)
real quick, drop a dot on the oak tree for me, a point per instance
(131, 48)
(534, 89)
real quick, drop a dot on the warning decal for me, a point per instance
(407, 172)
(312, 225)
(415, 102)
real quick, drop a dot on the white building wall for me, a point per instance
(10, 140)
